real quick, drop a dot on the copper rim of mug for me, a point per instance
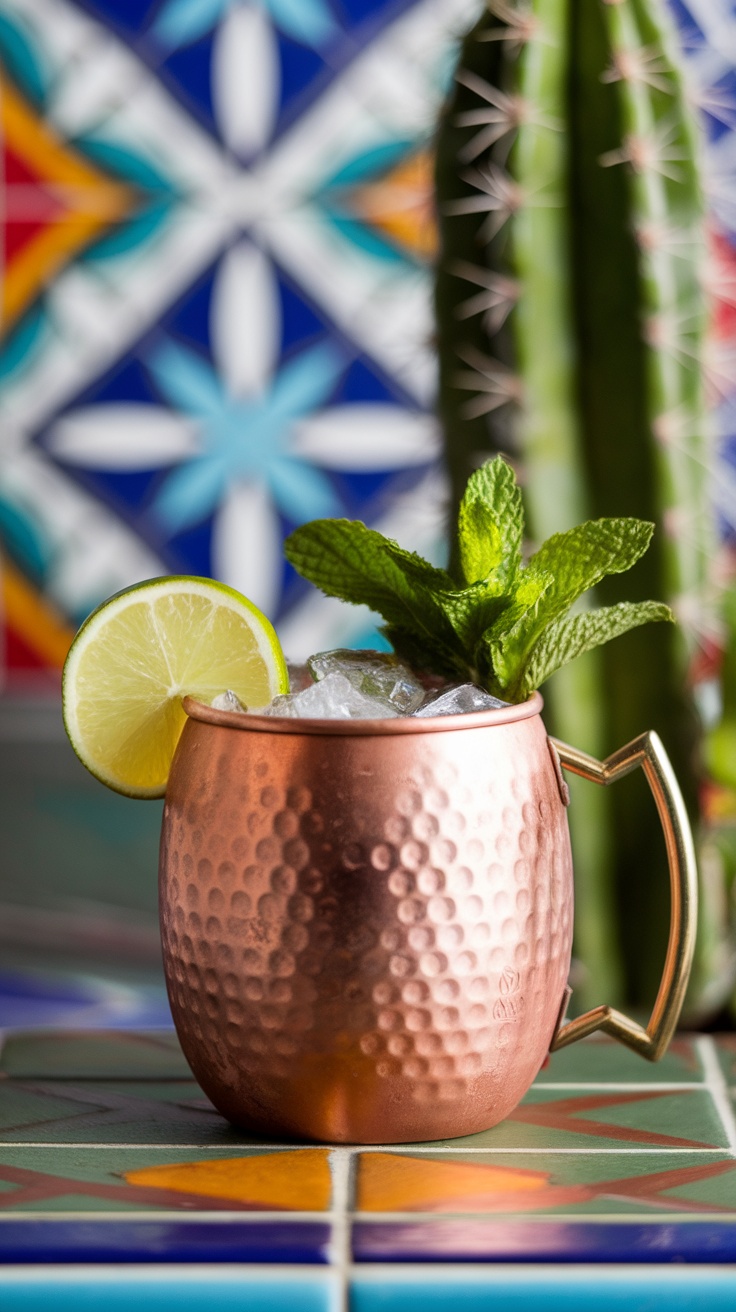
(364, 728)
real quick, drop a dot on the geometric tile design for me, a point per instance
(268, 1181)
(77, 204)
(107, 1112)
(216, 305)
(32, 1180)
(203, 202)
(573, 1184)
(392, 1182)
(593, 1166)
(110, 1112)
(599, 1191)
(644, 1117)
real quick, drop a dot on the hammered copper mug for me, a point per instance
(367, 925)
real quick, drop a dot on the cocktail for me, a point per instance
(365, 873)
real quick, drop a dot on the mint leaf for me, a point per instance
(566, 639)
(498, 646)
(491, 525)
(504, 626)
(425, 654)
(471, 610)
(584, 555)
(347, 560)
(577, 560)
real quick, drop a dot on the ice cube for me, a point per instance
(376, 674)
(333, 698)
(299, 677)
(227, 701)
(459, 700)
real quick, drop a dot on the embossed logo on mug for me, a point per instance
(510, 1005)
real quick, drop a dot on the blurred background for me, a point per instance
(219, 235)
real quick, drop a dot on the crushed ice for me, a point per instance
(362, 685)
(227, 701)
(377, 675)
(459, 700)
(332, 698)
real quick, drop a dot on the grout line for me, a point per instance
(164, 1214)
(155, 1147)
(100, 1276)
(629, 1086)
(555, 1283)
(411, 1149)
(497, 1150)
(418, 1218)
(341, 1164)
(717, 1086)
(546, 1218)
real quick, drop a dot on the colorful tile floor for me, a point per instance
(612, 1185)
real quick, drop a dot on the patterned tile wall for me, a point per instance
(216, 299)
(215, 316)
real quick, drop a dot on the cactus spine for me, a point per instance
(573, 314)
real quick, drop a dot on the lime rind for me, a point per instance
(139, 684)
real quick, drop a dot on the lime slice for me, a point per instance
(140, 653)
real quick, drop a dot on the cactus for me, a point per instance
(571, 321)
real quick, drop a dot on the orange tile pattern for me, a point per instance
(391, 1182)
(400, 204)
(295, 1181)
(64, 202)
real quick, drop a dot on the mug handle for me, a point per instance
(652, 1042)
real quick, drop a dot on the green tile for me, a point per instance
(150, 1112)
(111, 1111)
(600, 1060)
(89, 1055)
(725, 1046)
(593, 1185)
(63, 1180)
(607, 1118)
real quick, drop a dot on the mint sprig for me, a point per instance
(502, 624)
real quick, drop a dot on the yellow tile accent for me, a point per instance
(390, 1182)
(298, 1181)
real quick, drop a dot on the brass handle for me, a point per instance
(652, 1042)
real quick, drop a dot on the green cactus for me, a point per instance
(570, 318)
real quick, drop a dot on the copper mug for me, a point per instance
(367, 925)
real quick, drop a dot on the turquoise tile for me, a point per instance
(120, 1289)
(549, 1289)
